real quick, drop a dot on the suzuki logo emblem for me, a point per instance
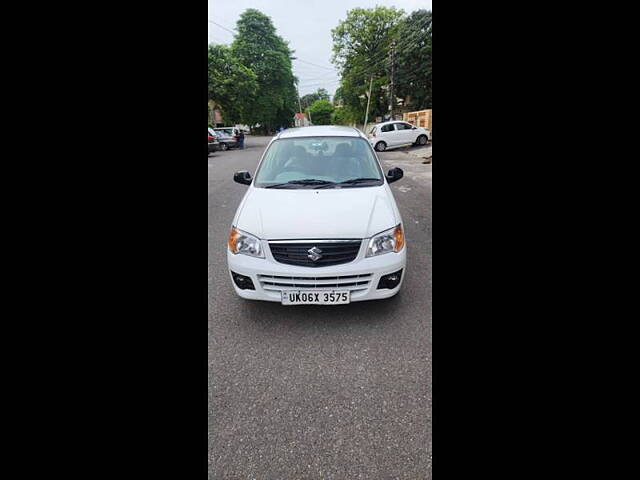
(314, 254)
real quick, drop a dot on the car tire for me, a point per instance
(380, 147)
(422, 140)
(224, 147)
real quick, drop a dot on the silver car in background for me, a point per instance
(228, 137)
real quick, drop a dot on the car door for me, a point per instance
(229, 134)
(405, 133)
(388, 135)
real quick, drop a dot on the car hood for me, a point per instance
(324, 213)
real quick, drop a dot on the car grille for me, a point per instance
(348, 282)
(332, 253)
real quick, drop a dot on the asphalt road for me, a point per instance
(331, 392)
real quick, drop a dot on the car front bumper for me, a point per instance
(361, 276)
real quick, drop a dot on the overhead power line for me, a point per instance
(324, 77)
(222, 26)
(315, 65)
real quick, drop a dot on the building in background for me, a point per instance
(301, 120)
(421, 118)
(215, 114)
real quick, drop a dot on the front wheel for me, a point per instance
(224, 147)
(422, 140)
(381, 147)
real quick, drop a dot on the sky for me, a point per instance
(306, 25)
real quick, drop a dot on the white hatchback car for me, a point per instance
(318, 224)
(394, 134)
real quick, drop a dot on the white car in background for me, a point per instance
(318, 224)
(393, 134)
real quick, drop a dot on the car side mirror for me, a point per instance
(394, 174)
(414, 128)
(243, 177)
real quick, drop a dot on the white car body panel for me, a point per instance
(323, 213)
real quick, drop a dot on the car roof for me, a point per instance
(389, 121)
(321, 131)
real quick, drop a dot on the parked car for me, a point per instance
(318, 224)
(213, 143)
(231, 131)
(392, 134)
(228, 137)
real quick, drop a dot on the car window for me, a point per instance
(373, 130)
(403, 126)
(333, 159)
(387, 128)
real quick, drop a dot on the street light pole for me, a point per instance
(366, 115)
(391, 102)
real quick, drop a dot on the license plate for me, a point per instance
(317, 297)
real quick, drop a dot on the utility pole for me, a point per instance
(299, 104)
(393, 69)
(366, 115)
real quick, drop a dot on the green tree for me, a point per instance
(338, 99)
(341, 116)
(257, 46)
(361, 52)
(321, 111)
(413, 77)
(231, 85)
(309, 98)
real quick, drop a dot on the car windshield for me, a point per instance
(314, 161)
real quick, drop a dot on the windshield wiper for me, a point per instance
(304, 181)
(354, 181)
(358, 180)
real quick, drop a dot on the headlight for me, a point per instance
(391, 240)
(243, 242)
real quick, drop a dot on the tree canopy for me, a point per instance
(252, 81)
(413, 77)
(257, 46)
(361, 50)
(231, 85)
(321, 111)
(309, 98)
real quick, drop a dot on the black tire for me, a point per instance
(422, 140)
(380, 147)
(224, 147)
